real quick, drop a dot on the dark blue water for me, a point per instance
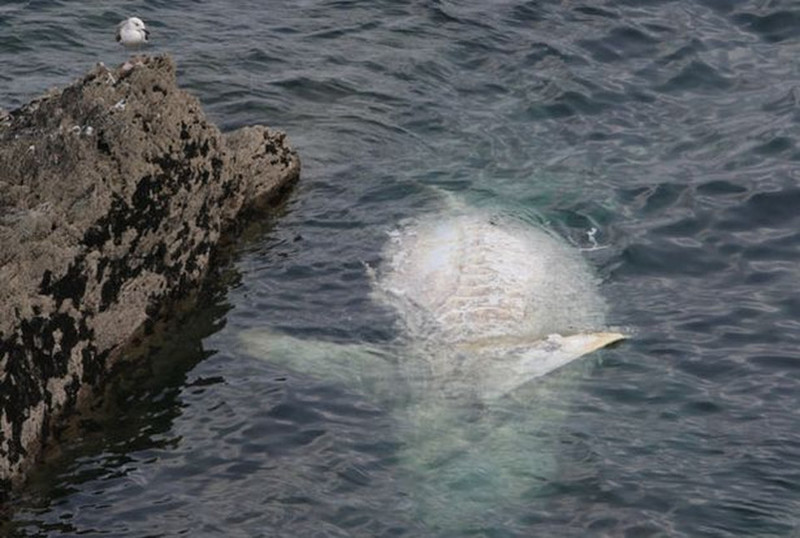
(669, 126)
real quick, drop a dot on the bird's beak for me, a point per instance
(146, 33)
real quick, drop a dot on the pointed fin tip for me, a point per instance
(601, 340)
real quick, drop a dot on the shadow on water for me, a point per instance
(130, 416)
(188, 415)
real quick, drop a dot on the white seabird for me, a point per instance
(132, 32)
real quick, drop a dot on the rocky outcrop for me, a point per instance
(113, 194)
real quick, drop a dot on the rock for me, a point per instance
(115, 192)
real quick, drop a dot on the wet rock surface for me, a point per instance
(114, 193)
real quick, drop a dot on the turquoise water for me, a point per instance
(669, 126)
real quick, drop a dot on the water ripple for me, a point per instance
(668, 127)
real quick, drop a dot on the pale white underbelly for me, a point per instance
(469, 278)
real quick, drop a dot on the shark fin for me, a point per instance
(346, 363)
(524, 364)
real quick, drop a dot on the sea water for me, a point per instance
(660, 138)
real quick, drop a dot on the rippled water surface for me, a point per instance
(671, 127)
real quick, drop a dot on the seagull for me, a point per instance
(132, 33)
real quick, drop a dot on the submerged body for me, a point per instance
(491, 303)
(485, 305)
(470, 278)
